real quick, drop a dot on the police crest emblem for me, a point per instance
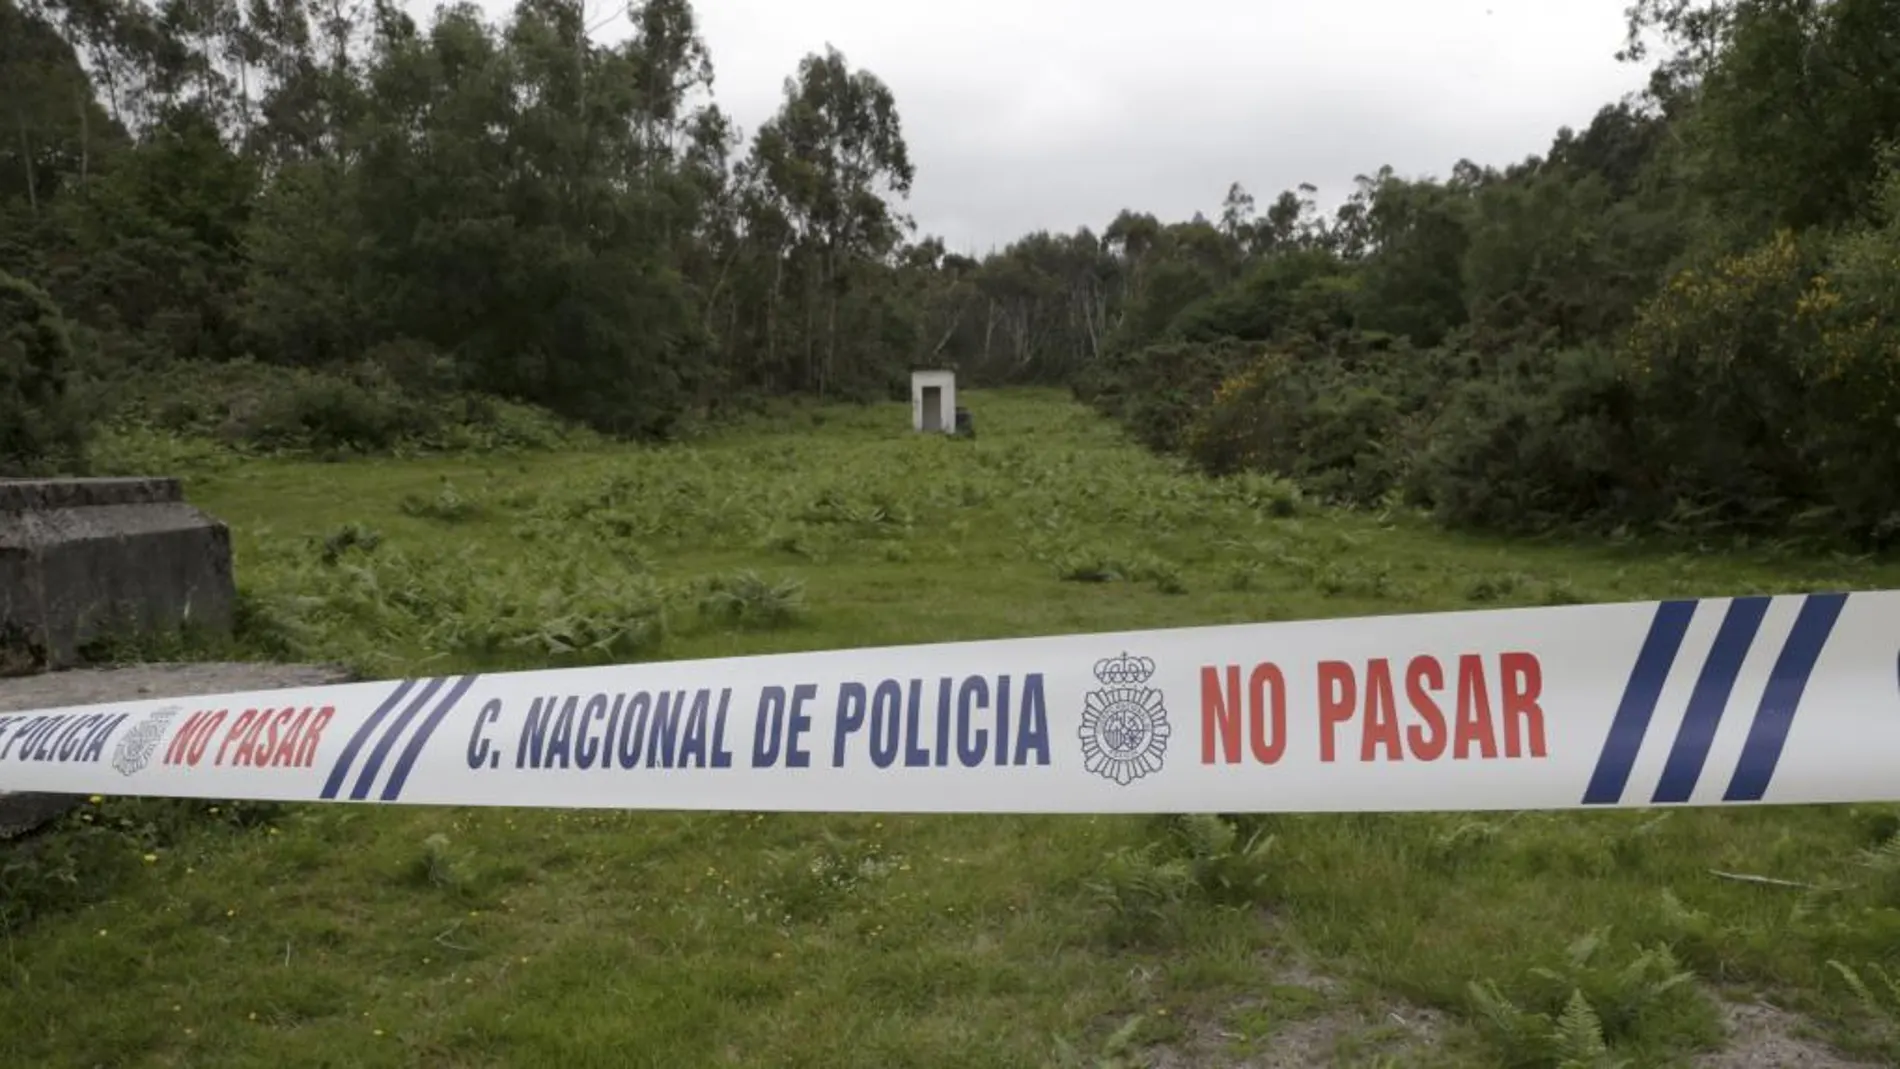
(137, 746)
(1124, 725)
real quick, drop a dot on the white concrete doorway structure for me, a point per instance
(933, 402)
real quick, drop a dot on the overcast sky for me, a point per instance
(1027, 114)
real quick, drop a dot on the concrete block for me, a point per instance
(85, 559)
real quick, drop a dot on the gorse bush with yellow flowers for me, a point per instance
(1770, 381)
(1679, 317)
(1756, 391)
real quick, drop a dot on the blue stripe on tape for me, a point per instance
(1710, 698)
(1782, 697)
(342, 766)
(400, 775)
(374, 763)
(1639, 702)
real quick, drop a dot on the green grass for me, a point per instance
(331, 935)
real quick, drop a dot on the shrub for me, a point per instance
(1854, 438)
(1769, 386)
(400, 397)
(1717, 357)
(40, 427)
(1157, 391)
(1546, 442)
(1336, 417)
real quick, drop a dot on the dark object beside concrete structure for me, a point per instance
(89, 559)
(23, 813)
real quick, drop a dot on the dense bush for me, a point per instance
(1313, 420)
(1159, 390)
(1756, 390)
(1671, 321)
(1680, 315)
(40, 426)
(1541, 442)
(1720, 352)
(1856, 436)
(401, 397)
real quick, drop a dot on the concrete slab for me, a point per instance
(86, 559)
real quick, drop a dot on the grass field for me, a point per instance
(344, 936)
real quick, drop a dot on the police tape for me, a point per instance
(1785, 699)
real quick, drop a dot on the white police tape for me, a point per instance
(1677, 702)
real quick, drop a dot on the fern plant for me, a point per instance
(1578, 1038)
(1573, 1039)
(1221, 864)
(1880, 998)
(1140, 891)
(1118, 1051)
(1882, 864)
(1573, 1011)
(1619, 996)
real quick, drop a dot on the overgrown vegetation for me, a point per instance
(350, 232)
(235, 240)
(332, 228)
(38, 428)
(1679, 318)
(512, 936)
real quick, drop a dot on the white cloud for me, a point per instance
(1025, 114)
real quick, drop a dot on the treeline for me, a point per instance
(419, 212)
(1684, 317)
(315, 220)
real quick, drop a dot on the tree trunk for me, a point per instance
(85, 138)
(26, 159)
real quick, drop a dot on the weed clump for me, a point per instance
(1151, 890)
(538, 608)
(1098, 565)
(812, 883)
(1577, 1009)
(746, 600)
(349, 538)
(442, 866)
(448, 505)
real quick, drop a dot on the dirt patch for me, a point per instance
(1302, 1018)
(92, 686)
(1335, 1036)
(1763, 1036)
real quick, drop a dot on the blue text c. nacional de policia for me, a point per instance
(965, 721)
